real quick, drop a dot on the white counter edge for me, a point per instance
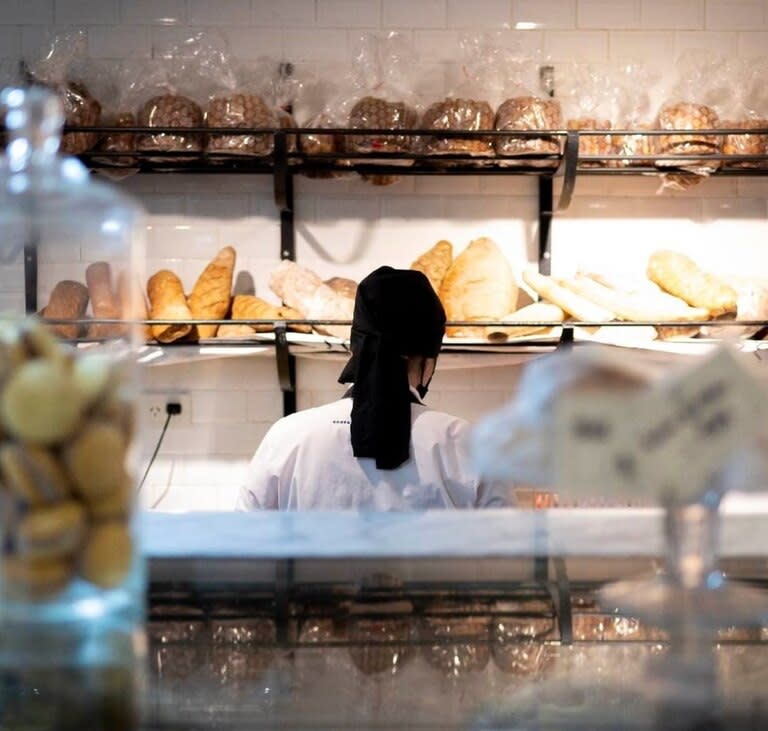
(604, 532)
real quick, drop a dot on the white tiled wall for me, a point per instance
(345, 227)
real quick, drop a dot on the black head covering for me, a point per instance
(397, 313)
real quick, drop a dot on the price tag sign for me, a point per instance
(676, 437)
(691, 427)
(595, 446)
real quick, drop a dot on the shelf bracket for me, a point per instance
(286, 369)
(545, 223)
(30, 278)
(569, 165)
(284, 197)
(564, 611)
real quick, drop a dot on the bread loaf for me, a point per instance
(81, 109)
(746, 144)
(683, 116)
(589, 144)
(302, 290)
(212, 294)
(250, 307)
(167, 302)
(679, 275)
(68, 301)
(529, 113)
(373, 113)
(435, 263)
(634, 307)
(119, 141)
(343, 287)
(171, 110)
(458, 114)
(572, 303)
(240, 110)
(479, 286)
(537, 312)
(104, 302)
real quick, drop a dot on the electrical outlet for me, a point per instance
(153, 407)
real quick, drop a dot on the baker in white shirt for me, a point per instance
(380, 447)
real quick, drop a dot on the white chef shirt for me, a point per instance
(305, 462)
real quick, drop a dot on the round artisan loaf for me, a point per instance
(458, 114)
(171, 110)
(240, 110)
(478, 286)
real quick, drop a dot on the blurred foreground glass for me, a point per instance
(71, 578)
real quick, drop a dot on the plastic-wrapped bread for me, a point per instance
(592, 144)
(479, 286)
(171, 110)
(302, 290)
(640, 146)
(240, 110)
(679, 275)
(81, 109)
(371, 112)
(534, 313)
(168, 302)
(120, 142)
(212, 294)
(68, 301)
(746, 143)
(751, 304)
(687, 116)
(529, 113)
(458, 114)
(435, 263)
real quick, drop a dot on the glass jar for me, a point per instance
(72, 582)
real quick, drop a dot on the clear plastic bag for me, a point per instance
(381, 97)
(524, 109)
(466, 106)
(60, 67)
(244, 99)
(701, 85)
(119, 111)
(590, 103)
(634, 84)
(748, 112)
(171, 86)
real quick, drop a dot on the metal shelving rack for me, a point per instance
(287, 160)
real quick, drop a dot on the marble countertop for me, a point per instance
(600, 532)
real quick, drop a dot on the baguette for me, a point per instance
(634, 307)
(250, 307)
(679, 275)
(167, 302)
(536, 312)
(577, 306)
(212, 294)
(104, 301)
